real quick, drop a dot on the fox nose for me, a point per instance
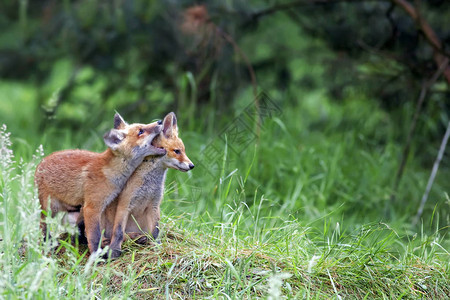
(191, 166)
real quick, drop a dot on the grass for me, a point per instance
(289, 263)
(242, 250)
(303, 212)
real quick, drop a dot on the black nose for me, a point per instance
(191, 166)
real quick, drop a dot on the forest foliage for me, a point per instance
(345, 76)
(314, 126)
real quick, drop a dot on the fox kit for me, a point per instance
(140, 199)
(74, 178)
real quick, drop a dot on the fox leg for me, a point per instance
(152, 217)
(81, 229)
(136, 227)
(120, 221)
(43, 199)
(55, 207)
(143, 223)
(91, 216)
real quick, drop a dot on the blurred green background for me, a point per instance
(345, 77)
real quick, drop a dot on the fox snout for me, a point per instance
(183, 166)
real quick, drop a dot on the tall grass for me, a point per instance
(341, 166)
(244, 251)
(303, 211)
(29, 270)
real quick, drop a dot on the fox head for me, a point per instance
(176, 157)
(133, 140)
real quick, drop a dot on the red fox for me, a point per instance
(74, 178)
(136, 210)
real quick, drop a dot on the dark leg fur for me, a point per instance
(116, 243)
(95, 238)
(155, 232)
(82, 240)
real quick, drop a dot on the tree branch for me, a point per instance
(293, 4)
(433, 174)
(413, 11)
(423, 93)
(428, 32)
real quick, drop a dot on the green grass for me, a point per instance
(303, 212)
(238, 238)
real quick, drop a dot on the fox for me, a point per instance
(136, 211)
(74, 179)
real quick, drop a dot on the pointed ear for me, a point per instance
(174, 123)
(119, 122)
(113, 138)
(170, 125)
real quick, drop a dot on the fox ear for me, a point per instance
(174, 124)
(119, 122)
(113, 138)
(170, 125)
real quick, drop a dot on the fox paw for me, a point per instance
(113, 254)
(142, 240)
(138, 238)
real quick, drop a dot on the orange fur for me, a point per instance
(136, 211)
(73, 178)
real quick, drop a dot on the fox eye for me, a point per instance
(141, 131)
(177, 151)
